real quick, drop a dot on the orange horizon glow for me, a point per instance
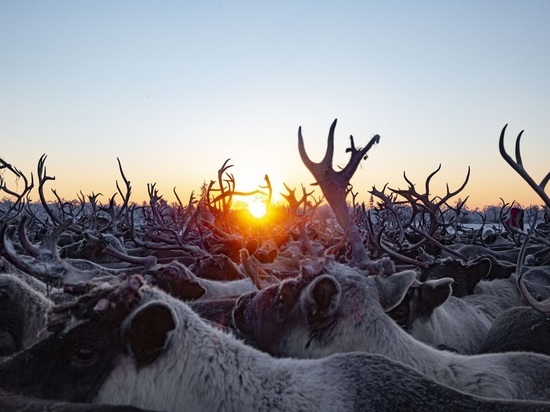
(486, 187)
(479, 196)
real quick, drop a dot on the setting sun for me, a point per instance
(256, 208)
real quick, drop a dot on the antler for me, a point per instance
(517, 165)
(42, 179)
(45, 264)
(293, 202)
(16, 207)
(125, 196)
(323, 170)
(421, 202)
(543, 307)
(333, 185)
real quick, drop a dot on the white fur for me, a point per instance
(207, 370)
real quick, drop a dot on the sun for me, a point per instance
(257, 208)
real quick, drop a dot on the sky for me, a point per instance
(175, 88)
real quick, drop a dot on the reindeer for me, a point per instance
(335, 308)
(518, 329)
(130, 344)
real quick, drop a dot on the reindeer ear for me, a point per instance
(434, 293)
(148, 331)
(321, 297)
(476, 271)
(191, 290)
(393, 288)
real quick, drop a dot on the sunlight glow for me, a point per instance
(257, 208)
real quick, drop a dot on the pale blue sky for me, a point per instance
(174, 88)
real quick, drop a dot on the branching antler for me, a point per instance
(517, 165)
(123, 210)
(42, 179)
(269, 191)
(226, 203)
(421, 202)
(45, 264)
(15, 207)
(293, 202)
(334, 185)
(154, 200)
(388, 203)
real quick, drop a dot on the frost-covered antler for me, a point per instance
(517, 165)
(333, 185)
(543, 307)
(44, 262)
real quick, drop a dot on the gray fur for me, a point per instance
(519, 329)
(23, 314)
(180, 363)
(440, 320)
(443, 321)
(178, 280)
(475, 251)
(508, 290)
(361, 324)
(495, 296)
(10, 402)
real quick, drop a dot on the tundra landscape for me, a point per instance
(318, 302)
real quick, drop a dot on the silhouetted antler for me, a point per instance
(517, 165)
(423, 202)
(15, 207)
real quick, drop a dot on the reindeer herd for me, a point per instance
(323, 305)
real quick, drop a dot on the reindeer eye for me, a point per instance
(84, 356)
(287, 294)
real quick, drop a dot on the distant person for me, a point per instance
(545, 226)
(516, 218)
